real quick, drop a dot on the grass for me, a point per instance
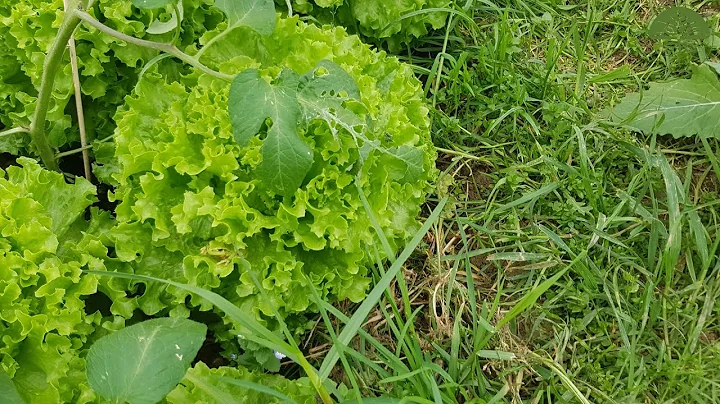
(563, 258)
(576, 261)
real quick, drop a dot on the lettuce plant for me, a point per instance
(379, 19)
(109, 67)
(265, 175)
(42, 290)
(199, 204)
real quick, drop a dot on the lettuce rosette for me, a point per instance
(193, 208)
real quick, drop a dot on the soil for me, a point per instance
(7, 160)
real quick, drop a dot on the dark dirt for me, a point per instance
(7, 160)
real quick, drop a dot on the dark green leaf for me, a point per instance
(323, 94)
(286, 157)
(256, 14)
(326, 93)
(142, 363)
(8, 392)
(258, 332)
(679, 24)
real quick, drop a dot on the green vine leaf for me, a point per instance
(145, 4)
(291, 102)
(325, 93)
(142, 363)
(256, 14)
(329, 93)
(286, 157)
(685, 107)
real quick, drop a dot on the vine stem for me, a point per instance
(13, 131)
(73, 17)
(168, 48)
(52, 60)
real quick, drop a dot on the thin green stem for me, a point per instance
(82, 149)
(50, 67)
(13, 131)
(289, 6)
(168, 48)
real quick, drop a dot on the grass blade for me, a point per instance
(532, 297)
(369, 303)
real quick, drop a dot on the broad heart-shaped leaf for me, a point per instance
(8, 392)
(286, 157)
(685, 107)
(151, 3)
(142, 363)
(256, 14)
(679, 24)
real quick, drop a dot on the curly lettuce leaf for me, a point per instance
(109, 67)
(42, 295)
(386, 21)
(205, 385)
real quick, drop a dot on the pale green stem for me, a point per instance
(289, 6)
(168, 48)
(13, 131)
(82, 149)
(50, 67)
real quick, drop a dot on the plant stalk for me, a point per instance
(13, 131)
(168, 48)
(50, 67)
